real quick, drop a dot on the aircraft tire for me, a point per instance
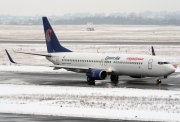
(114, 79)
(90, 81)
(158, 81)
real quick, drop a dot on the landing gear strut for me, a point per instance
(114, 79)
(90, 81)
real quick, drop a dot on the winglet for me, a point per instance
(153, 52)
(11, 60)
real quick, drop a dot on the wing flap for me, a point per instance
(79, 68)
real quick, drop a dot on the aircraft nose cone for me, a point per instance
(171, 69)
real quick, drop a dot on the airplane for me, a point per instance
(97, 66)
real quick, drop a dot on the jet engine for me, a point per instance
(97, 74)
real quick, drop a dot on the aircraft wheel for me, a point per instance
(93, 82)
(117, 78)
(90, 81)
(158, 81)
(114, 79)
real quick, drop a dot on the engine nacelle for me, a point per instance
(97, 74)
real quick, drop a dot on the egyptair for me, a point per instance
(97, 66)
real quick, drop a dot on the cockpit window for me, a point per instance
(160, 63)
(166, 62)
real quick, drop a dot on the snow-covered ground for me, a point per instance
(110, 103)
(128, 104)
(101, 33)
(116, 103)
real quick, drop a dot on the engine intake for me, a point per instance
(97, 74)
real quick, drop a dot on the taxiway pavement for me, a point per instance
(79, 80)
(42, 118)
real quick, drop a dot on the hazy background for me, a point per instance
(61, 7)
(81, 12)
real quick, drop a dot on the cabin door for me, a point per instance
(150, 64)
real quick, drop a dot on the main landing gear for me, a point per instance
(90, 81)
(114, 79)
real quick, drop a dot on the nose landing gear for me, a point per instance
(158, 81)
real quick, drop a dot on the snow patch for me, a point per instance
(110, 103)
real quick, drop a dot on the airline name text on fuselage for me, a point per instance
(134, 58)
(112, 58)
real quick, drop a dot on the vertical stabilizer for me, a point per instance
(52, 42)
(153, 52)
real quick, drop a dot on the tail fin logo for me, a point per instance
(48, 35)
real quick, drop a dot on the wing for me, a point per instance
(80, 69)
(33, 54)
(69, 68)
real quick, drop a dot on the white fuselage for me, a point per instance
(135, 65)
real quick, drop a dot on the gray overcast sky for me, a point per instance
(60, 7)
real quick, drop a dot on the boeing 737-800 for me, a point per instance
(97, 66)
